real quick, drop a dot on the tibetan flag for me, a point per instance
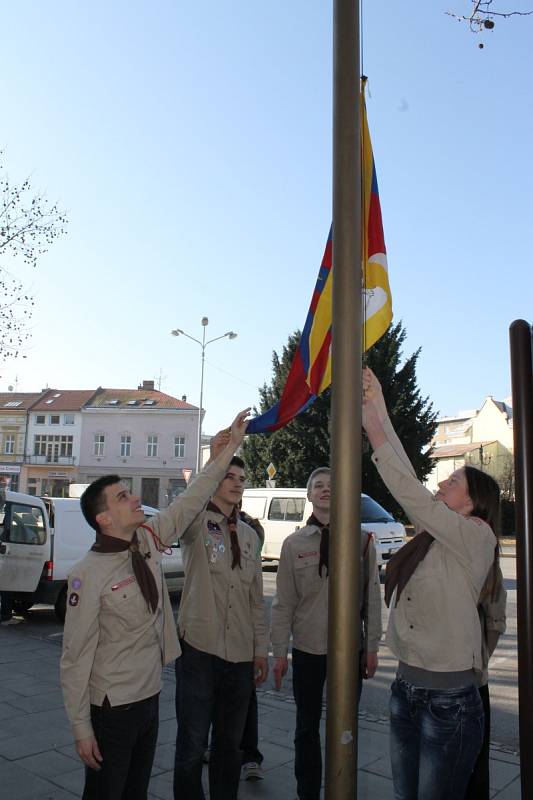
(310, 372)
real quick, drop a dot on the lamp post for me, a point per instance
(203, 344)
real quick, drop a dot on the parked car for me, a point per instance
(282, 511)
(41, 538)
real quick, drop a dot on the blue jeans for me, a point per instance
(209, 690)
(436, 735)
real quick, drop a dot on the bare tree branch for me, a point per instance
(28, 226)
(482, 16)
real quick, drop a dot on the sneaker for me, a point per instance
(252, 771)
(11, 621)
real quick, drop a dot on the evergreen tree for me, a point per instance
(299, 447)
(303, 444)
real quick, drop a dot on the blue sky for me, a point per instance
(191, 147)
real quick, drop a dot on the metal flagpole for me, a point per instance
(522, 387)
(345, 540)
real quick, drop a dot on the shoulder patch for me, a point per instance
(73, 599)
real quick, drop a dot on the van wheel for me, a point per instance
(61, 604)
(22, 606)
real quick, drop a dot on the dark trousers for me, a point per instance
(479, 784)
(250, 735)
(308, 678)
(127, 737)
(6, 606)
(213, 691)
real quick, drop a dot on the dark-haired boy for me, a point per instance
(224, 641)
(119, 628)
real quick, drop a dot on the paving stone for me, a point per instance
(72, 781)
(32, 743)
(39, 702)
(27, 685)
(167, 731)
(48, 765)
(56, 794)
(43, 721)
(161, 788)
(18, 784)
(511, 792)
(502, 774)
(7, 711)
(164, 756)
(371, 787)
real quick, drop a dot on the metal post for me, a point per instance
(522, 387)
(345, 542)
(199, 444)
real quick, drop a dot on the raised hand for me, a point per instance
(373, 392)
(238, 427)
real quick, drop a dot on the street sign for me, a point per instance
(186, 472)
(271, 470)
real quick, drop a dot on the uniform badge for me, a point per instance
(76, 583)
(121, 584)
(213, 526)
(73, 599)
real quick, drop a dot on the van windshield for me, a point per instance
(373, 512)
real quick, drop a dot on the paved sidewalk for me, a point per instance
(38, 760)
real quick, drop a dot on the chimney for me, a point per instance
(184, 398)
(148, 386)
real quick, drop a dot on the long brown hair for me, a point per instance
(484, 493)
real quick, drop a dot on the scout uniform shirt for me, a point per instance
(113, 645)
(301, 601)
(222, 610)
(435, 625)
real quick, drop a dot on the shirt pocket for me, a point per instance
(308, 580)
(248, 566)
(127, 604)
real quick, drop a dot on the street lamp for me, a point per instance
(203, 344)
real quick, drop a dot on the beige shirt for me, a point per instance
(435, 625)
(300, 606)
(112, 643)
(222, 610)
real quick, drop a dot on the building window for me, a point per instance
(65, 445)
(9, 444)
(39, 419)
(128, 483)
(53, 447)
(151, 448)
(125, 446)
(54, 419)
(99, 443)
(68, 419)
(179, 446)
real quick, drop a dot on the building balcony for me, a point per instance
(51, 458)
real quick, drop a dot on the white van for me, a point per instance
(282, 511)
(41, 538)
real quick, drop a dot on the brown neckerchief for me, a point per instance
(233, 538)
(141, 570)
(404, 562)
(324, 543)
